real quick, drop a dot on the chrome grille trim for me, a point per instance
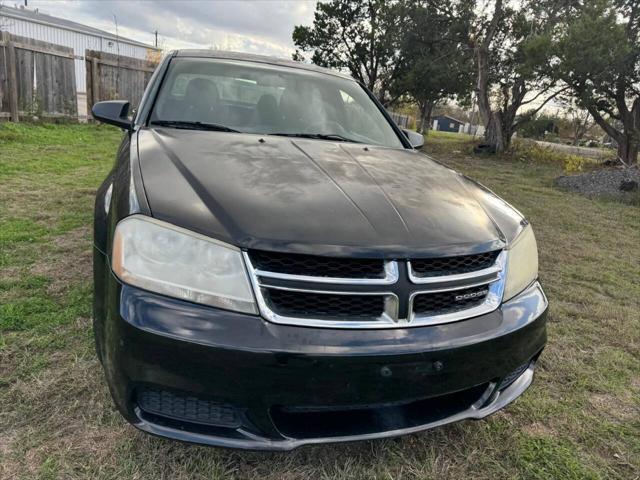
(389, 316)
(390, 276)
(492, 271)
(493, 277)
(491, 302)
(387, 320)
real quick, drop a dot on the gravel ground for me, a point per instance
(601, 183)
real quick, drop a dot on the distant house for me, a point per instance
(445, 123)
(37, 25)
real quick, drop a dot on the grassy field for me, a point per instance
(580, 419)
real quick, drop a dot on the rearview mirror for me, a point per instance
(415, 139)
(113, 112)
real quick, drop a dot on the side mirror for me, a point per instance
(415, 139)
(113, 112)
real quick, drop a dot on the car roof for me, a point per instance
(249, 57)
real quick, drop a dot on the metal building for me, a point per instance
(41, 26)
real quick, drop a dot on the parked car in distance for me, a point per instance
(276, 265)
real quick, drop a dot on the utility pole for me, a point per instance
(156, 32)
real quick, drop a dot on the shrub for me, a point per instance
(541, 127)
(531, 152)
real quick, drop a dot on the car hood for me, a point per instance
(301, 195)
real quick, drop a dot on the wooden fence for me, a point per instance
(113, 77)
(402, 120)
(36, 79)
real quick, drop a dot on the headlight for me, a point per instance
(522, 263)
(170, 260)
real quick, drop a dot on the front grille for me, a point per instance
(439, 303)
(187, 408)
(315, 266)
(320, 305)
(435, 267)
(328, 292)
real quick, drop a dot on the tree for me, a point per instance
(354, 35)
(598, 56)
(512, 46)
(579, 120)
(538, 126)
(434, 62)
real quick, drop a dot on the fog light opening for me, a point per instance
(513, 376)
(187, 408)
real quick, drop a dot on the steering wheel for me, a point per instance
(330, 126)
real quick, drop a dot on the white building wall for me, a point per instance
(76, 40)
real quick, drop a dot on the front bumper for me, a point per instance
(292, 386)
(489, 402)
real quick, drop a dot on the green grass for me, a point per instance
(579, 420)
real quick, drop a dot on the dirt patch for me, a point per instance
(619, 407)
(6, 440)
(9, 275)
(69, 263)
(537, 429)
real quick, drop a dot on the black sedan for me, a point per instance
(276, 265)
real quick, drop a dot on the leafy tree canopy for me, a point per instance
(512, 46)
(598, 56)
(435, 62)
(354, 35)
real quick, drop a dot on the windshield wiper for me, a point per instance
(193, 125)
(318, 136)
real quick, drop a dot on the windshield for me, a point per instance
(266, 99)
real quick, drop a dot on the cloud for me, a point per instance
(263, 26)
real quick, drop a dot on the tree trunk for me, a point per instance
(577, 135)
(628, 140)
(426, 109)
(491, 120)
(628, 150)
(495, 134)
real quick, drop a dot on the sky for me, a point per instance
(259, 26)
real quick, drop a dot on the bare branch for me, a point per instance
(612, 132)
(538, 95)
(532, 113)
